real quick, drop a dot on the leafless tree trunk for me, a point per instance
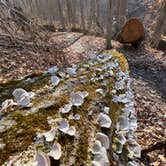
(121, 15)
(69, 14)
(161, 23)
(82, 15)
(74, 13)
(61, 14)
(109, 24)
(91, 14)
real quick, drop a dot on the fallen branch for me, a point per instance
(157, 146)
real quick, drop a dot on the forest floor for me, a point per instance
(148, 74)
(147, 71)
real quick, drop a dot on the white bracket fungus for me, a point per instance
(51, 70)
(134, 150)
(66, 108)
(101, 91)
(106, 110)
(104, 120)
(102, 158)
(133, 122)
(121, 75)
(50, 135)
(103, 139)
(132, 163)
(2, 146)
(71, 71)
(42, 159)
(120, 85)
(117, 147)
(96, 149)
(122, 98)
(123, 124)
(64, 127)
(71, 131)
(113, 91)
(55, 80)
(95, 163)
(77, 99)
(118, 143)
(6, 104)
(23, 97)
(56, 151)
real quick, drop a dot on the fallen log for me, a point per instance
(132, 32)
(80, 115)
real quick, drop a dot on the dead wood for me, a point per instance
(132, 31)
(157, 146)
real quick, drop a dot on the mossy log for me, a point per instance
(132, 31)
(82, 116)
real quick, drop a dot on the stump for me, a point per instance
(81, 115)
(132, 32)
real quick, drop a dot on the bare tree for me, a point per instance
(160, 25)
(91, 14)
(69, 14)
(121, 14)
(82, 15)
(61, 14)
(109, 23)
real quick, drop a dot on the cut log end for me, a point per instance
(132, 31)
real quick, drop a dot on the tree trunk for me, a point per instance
(69, 14)
(82, 15)
(159, 27)
(121, 14)
(61, 15)
(109, 24)
(91, 14)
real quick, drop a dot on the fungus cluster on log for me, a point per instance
(83, 115)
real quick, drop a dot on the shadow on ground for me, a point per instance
(147, 67)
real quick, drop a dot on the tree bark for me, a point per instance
(61, 15)
(159, 27)
(121, 14)
(82, 15)
(69, 14)
(109, 24)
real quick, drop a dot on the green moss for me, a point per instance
(20, 136)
